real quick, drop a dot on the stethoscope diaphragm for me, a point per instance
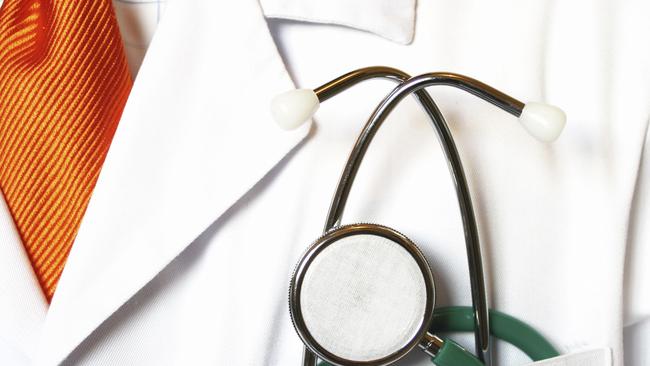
(362, 294)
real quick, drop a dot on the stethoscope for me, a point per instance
(364, 294)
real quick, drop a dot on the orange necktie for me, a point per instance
(63, 84)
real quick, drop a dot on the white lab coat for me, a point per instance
(203, 205)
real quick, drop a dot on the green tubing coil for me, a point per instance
(502, 326)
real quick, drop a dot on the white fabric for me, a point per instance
(363, 297)
(203, 205)
(22, 303)
(637, 276)
(596, 357)
(636, 340)
(392, 19)
(637, 272)
(138, 20)
(10, 355)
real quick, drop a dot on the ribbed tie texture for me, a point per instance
(63, 85)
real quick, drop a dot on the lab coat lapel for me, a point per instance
(22, 303)
(195, 136)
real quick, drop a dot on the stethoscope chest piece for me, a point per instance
(362, 294)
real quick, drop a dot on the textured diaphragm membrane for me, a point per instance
(363, 298)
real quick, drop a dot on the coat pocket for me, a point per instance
(594, 357)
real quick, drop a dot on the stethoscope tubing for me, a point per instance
(416, 85)
(502, 326)
(477, 281)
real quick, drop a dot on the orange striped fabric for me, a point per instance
(63, 84)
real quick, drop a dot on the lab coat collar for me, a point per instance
(196, 134)
(391, 19)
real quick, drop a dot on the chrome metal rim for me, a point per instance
(330, 237)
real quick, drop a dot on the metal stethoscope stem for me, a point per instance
(416, 85)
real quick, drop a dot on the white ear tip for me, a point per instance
(543, 121)
(291, 109)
